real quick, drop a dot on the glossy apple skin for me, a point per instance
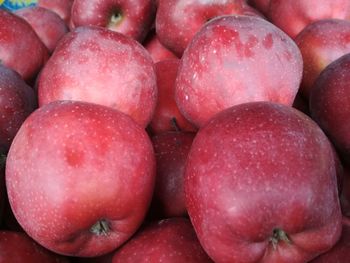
(219, 67)
(177, 21)
(89, 164)
(157, 50)
(321, 43)
(167, 116)
(171, 150)
(330, 103)
(255, 170)
(292, 16)
(27, 59)
(115, 71)
(341, 251)
(48, 25)
(170, 240)
(136, 16)
(17, 247)
(60, 7)
(17, 101)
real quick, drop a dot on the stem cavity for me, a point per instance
(277, 236)
(100, 228)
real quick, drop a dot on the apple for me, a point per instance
(171, 150)
(261, 186)
(341, 251)
(170, 240)
(80, 177)
(130, 17)
(177, 21)
(20, 47)
(115, 71)
(18, 247)
(292, 16)
(156, 49)
(48, 25)
(17, 101)
(167, 116)
(60, 7)
(330, 103)
(236, 59)
(321, 43)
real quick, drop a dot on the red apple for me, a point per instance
(236, 59)
(60, 7)
(17, 101)
(321, 43)
(170, 240)
(130, 17)
(80, 177)
(167, 116)
(177, 21)
(171, 150)
(330, 103)
(20, 47)
(156, 49)
(292, 16)
(341, 251)
(115, 71)
(261, 186)
(48, 25)
(16, 247)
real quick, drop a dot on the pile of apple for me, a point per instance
(175, 131)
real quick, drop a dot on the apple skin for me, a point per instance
(219, 68)
(26, 59)
(330, 103)
(87, 183)
(115, 71)
(16, 247)
(167, 116)
(171, 150)
(292, 16)
(48, 25)
(156, 49)
(321, 43)
(259, 173)
(130, 17)
(170, 240)
(341, 251)
(177, 21)
(17, 101)
(60, 7)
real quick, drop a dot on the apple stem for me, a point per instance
(101, 227)
(175, 125)
(279, 235)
